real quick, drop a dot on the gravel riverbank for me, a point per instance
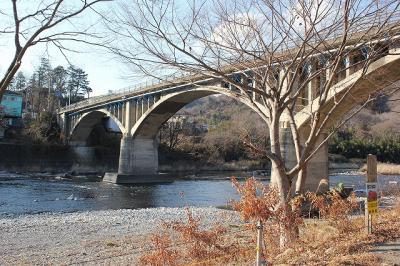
(93, 237)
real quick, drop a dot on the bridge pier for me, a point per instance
(138, 162)
(317, 168)
(138, 156)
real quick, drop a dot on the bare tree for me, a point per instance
(171, 132)
(289, 59)
(46, 24)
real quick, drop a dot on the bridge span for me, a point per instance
(140, 112)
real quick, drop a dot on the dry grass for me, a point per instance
(336, 239)
(385, 169)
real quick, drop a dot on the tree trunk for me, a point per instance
(301, 179)
(281, 182)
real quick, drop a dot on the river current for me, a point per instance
(37, 193)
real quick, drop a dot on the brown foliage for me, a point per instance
(162, 254)
(260, 202)
(337, 238)
(205, 246)
(332, 207)
(200, 243)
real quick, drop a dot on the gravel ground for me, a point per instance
(93, 238)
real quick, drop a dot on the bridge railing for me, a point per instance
(394, 18)
(123, 91)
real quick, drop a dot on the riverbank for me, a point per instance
(92, 238)
(121, 237)
(384, 169)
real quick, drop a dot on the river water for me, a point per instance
(38, 193)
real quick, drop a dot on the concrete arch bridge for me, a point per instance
(140, 112)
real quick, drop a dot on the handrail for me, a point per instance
(157, 82)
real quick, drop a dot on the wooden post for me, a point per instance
(259, 243)
(371, 168)
(371, 203)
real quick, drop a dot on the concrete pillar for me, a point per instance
(145, 156)
(125, 151)
(317, 168)
(127, 116)
(138, 156)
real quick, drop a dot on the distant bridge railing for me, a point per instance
(142, 86)
(394, 19)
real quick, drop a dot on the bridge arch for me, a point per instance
(84, 126)
(150, 122)
(139, 149)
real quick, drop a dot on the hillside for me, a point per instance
(374, 129)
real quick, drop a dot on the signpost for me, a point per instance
(371, 206)
(259, 260)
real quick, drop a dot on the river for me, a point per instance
(37, 193)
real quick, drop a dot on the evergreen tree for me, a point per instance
(20, 82)
(78, 84)
(44, 73)
(43, 91)
(31, 90)
(60, 78)
(83, 82)
(11, 86)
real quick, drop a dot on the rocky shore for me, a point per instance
(90, 238)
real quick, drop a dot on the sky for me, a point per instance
(105, 71)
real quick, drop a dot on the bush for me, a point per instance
(44, 129)
(386, 146)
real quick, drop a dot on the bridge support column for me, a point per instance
(138, 162)
(125, 151)
(317, 168)
(138, 156)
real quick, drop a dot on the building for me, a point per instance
(10, 111)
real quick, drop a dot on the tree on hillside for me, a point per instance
(60, 78)
(44, 84)
(278, 50)
(82, 82)
(42, 22)
(380, 104)
(43, 73)
(171, 132)
(78, 84)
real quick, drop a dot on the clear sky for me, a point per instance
(105, 72)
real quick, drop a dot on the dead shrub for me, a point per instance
(199, 243)
(262, 203)
(162, 254)
(333, 208)
(337, 238)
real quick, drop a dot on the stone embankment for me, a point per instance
(91, 238)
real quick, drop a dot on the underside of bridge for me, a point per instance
(138, 161)
(95, 141)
